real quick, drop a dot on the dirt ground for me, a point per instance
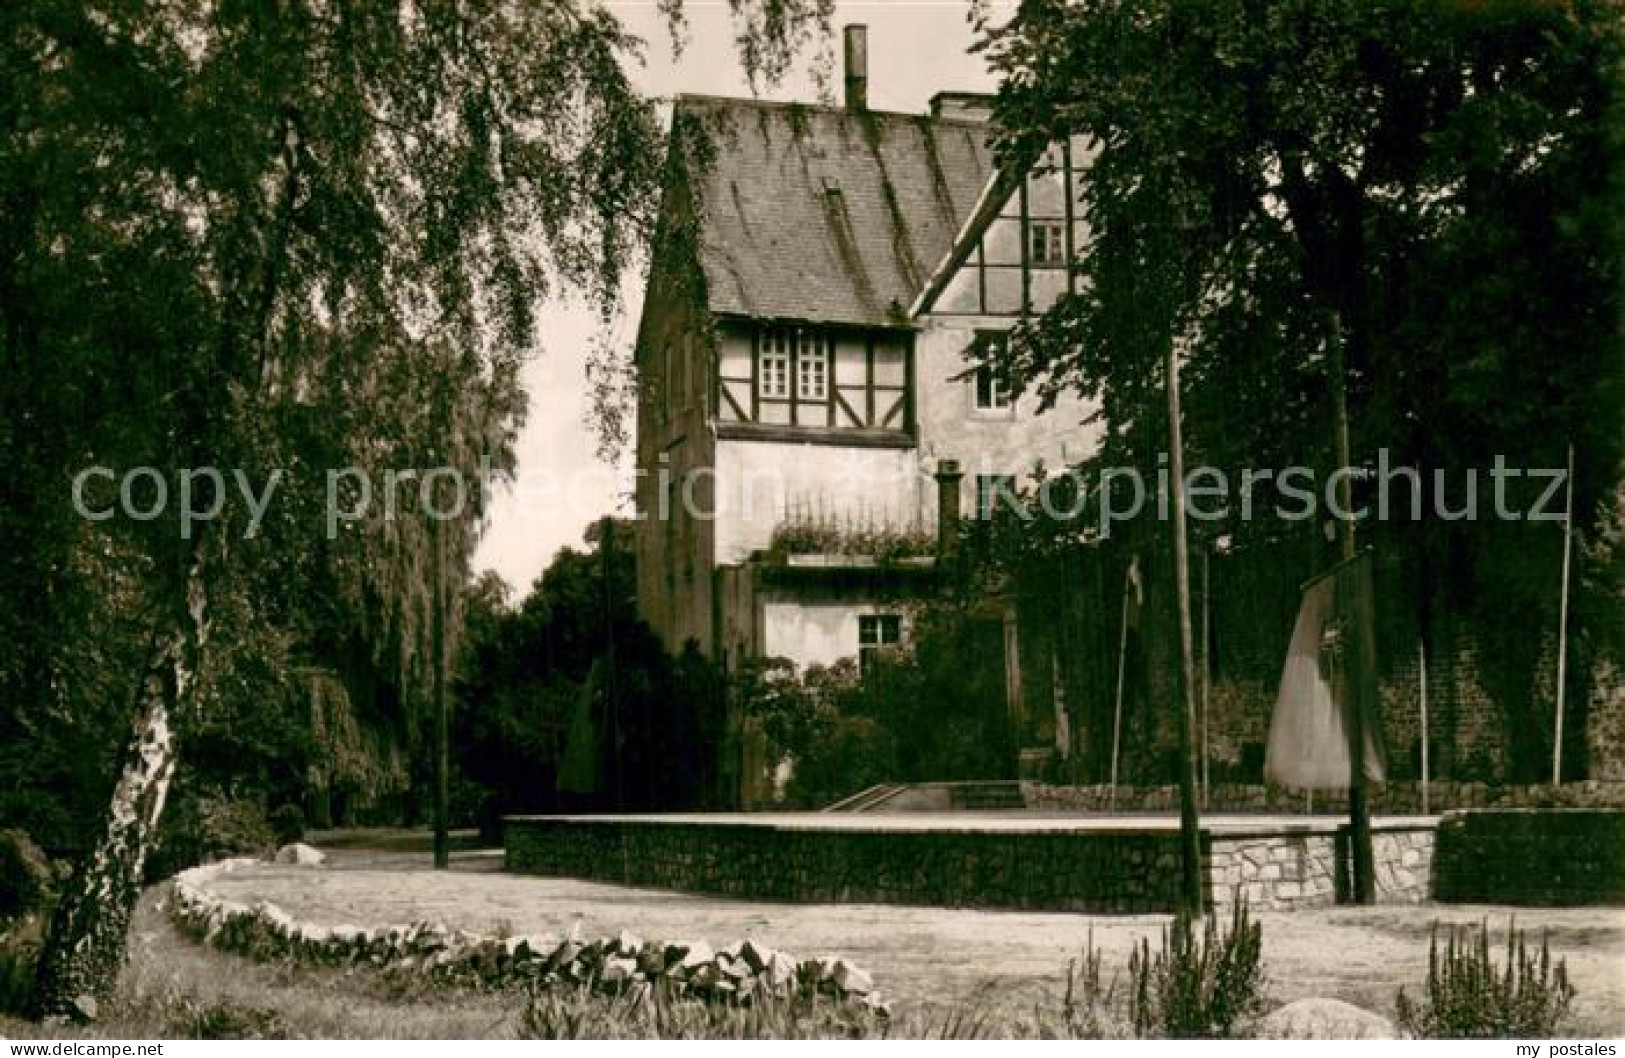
(924, 956)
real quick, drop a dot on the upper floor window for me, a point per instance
(1046, 243)
(812, 369)
(773, 364)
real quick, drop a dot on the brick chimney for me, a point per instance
(857, 67)
(948, 504)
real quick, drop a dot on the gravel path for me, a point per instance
(924, 955)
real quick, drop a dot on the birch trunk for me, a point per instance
(84, 948)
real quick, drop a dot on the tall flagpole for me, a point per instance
(1563, 624)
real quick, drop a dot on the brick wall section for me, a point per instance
(1532, 858)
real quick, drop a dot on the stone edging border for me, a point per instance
(611, 965)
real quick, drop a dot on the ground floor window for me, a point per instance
(877, 631)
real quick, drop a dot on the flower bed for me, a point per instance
(614, 965)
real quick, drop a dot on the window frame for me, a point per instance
(1051, 236)
(986, 380)
(880, 623)
(812, 348)
(775, 346)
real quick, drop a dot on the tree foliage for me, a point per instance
(534, 692)
(278, 236)
(1429, 190)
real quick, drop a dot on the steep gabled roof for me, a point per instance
(824, 214)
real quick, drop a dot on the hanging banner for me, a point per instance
(1310, 729)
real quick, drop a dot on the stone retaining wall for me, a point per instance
(1060, 869)
(1402, 797)
(613, 965)
(1291, 869)
(1125, 871)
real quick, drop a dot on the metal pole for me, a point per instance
(1563, 624)
(1190, 839)
(1207, 670)
(1422, 670)
(1117, 710)
(442, 836)
(1364, 658)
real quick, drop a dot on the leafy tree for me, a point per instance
(1425, 192)
(526, 674)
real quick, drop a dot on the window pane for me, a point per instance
(992, 391)
(812, 368)
(1047, 243)
(773, 364)
(879, 630)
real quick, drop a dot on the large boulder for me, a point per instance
(1324, 1019)
(301, 855)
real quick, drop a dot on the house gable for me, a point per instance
(1017, 251)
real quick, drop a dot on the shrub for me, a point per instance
(25, 875)
(226, 1021)
(19, 948)
(1469, 997)
(582, 1014)
(1192, 989)
(287, 824)
(204, 827)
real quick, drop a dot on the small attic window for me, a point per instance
(1047, 244)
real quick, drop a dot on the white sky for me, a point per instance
(916, 49)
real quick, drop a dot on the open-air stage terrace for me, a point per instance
(1019, 859)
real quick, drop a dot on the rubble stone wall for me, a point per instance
(1291, 869)
(613, 965)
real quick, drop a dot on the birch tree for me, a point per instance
(263, 234)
